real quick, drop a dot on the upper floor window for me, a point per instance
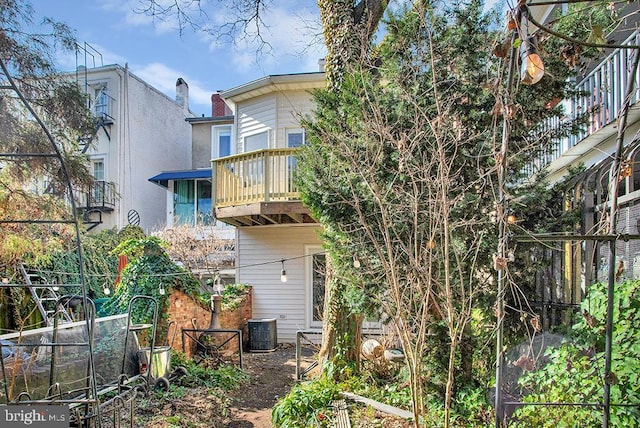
(98, 191)
(256, 142)
(221, 144)
(100, 100)
(295, 137)
(98, 169)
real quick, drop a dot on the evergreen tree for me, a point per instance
(400, 171)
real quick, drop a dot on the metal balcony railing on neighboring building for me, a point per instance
(601, 99)
(101, 196)
(93, 202)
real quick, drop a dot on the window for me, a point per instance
(295, 137)
(221, 145)
(100, 101)
(316, 269)
(256, 142)
(636, 171)
(184, 202)
(98, 169)
(98, 180)
(192, 203)
(205, 216)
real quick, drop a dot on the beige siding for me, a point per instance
(255, 116)
(201, 145)
(291, 107)
(260, 250)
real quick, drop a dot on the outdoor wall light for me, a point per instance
(106, 290)
(161, 290)
(531, 67)
(283, 273)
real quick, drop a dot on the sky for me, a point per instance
(159, 53)
(156, 51)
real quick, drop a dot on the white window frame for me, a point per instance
(291, 131)
(255, 134)
(95, 88)
(94, 161)
(216, 132)
(309, 251)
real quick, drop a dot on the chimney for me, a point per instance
(219, 107)
(321, 64)
(182, 94)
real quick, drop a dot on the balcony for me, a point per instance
(602, 96)
(258, 188)
(100, 197)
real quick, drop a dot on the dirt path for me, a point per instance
(272, 374)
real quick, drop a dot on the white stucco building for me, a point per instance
(139, 131)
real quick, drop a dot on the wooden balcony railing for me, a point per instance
(259, 176)
(601, 99)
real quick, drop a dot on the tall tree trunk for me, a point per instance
(348, 28)
(341, 329)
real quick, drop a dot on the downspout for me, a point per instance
(124, 187)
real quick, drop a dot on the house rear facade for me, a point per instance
(278, 249)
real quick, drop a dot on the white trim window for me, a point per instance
(257, 141)
(295, 137)
(222, 141)
(99, 92)
(99, 177)
(315, 272)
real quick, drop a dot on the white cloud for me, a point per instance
(134, 15)
(164, 79)
(292, 37)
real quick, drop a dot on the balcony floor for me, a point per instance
(265, 213)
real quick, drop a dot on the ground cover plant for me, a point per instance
(198, 398)
(574, 371)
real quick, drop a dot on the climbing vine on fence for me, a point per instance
(575, 372)
(149, 272)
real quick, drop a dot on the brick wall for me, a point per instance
(189, 313)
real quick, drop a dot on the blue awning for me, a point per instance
(163, 178)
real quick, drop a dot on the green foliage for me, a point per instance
(306, 405)
(309, 404)
(233, 294)
(226, 378)
(574, 372)
(393, 391)
(149, 272)
(28, 50)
